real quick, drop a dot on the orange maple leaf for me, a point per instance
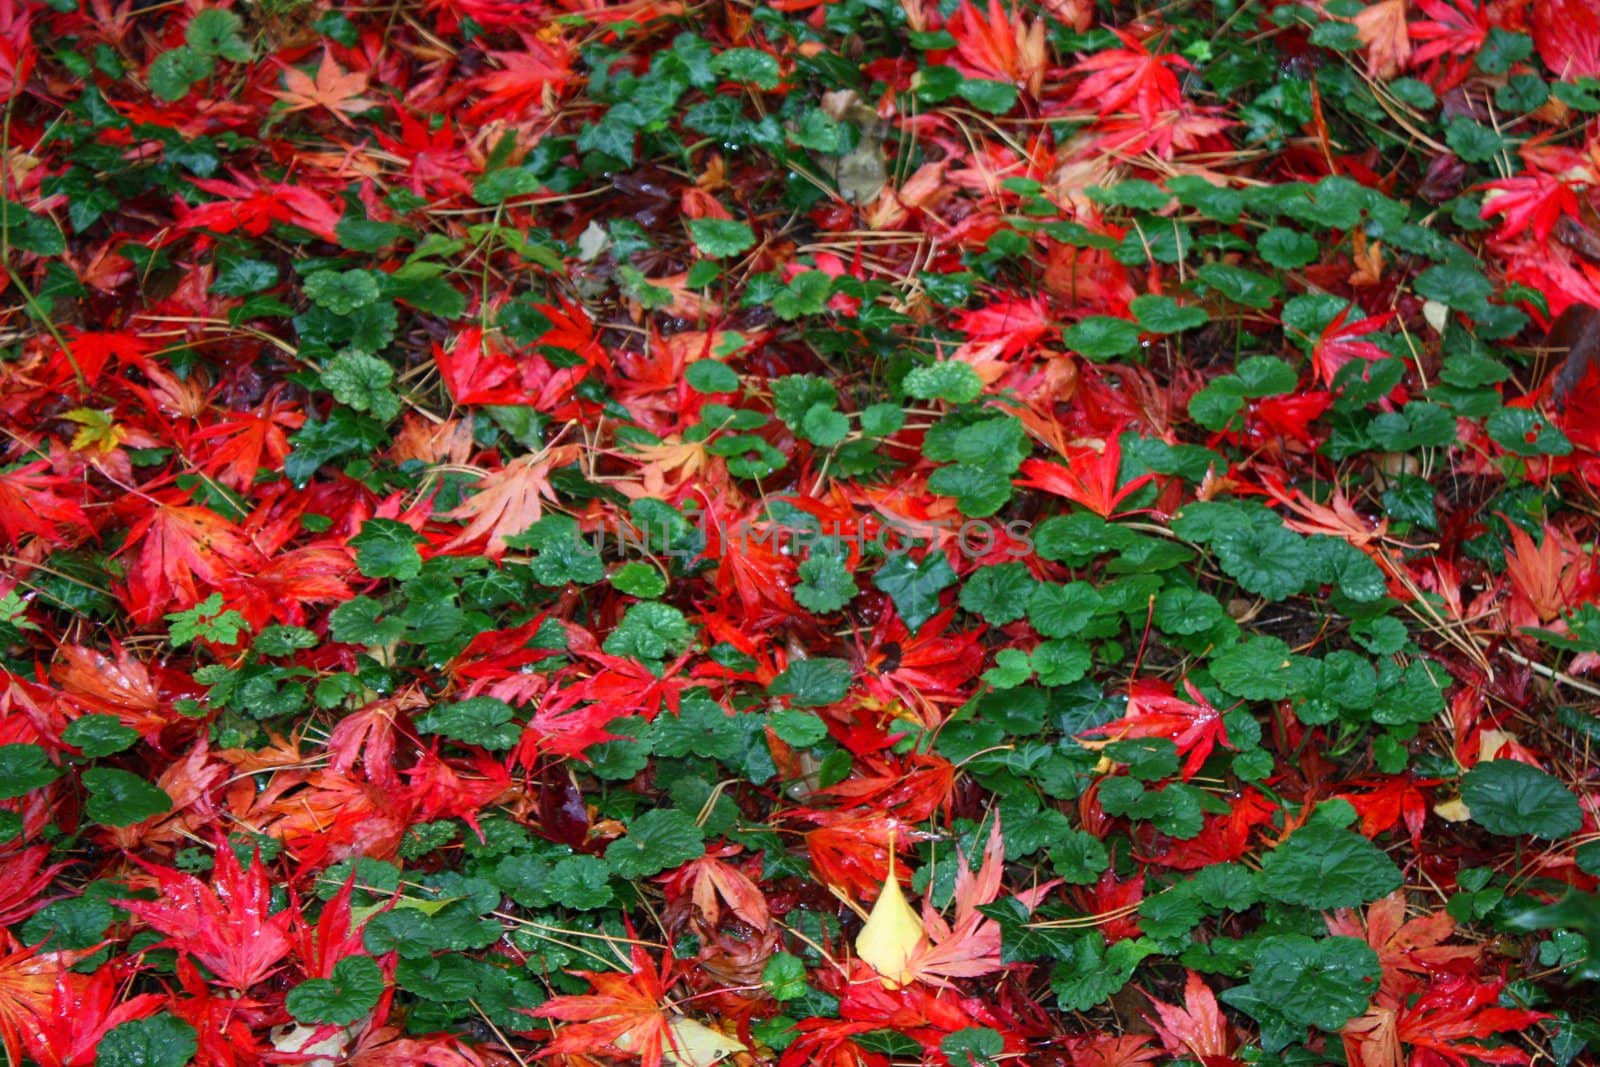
(1197, 1030)
(1382, 28)
(1405, 948)
(118, 683)
(337, 90)
(509, 500)
(625, 1012)
(710, 878)
(1000, 46)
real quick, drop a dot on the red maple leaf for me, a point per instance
(253, 205)
(290, 582)
(530, 79)
(118, 683)
(999, 46)
(367, 737)
(92, 350)
(915, 786)
(1454, 32)
(333, 937)
(1223, 839)
(17, 55)
(476, 371)
(1010, 324)
(227, 925)
(176, 546)
(27, 984)
(37, 503)
(247, 441)
(25, 882)
(1340, 342)
(1131, 76)
(710, 879)
(1186, 129)
(435, 160)
(334, 90)
(1447, 1024)
(1567, 33)
(1088, 478)
(509, 500)
(1530, 203)
(81, 1009)
(1383, 800)
(1153, 711)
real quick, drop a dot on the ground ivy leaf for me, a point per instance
(118, 798)
(999, 593)
(915, 586)
(388, 549)
(1162, 314)
(24, 767)
(813, 683)
(482, 721)
(1091, 972)
(341, 292)
(720, 238)
(99, 735)
(656, 841)
(1287, 249)
(349, 994)
(951, 380)
(155, 1041)
(1323, 866)
(1260, 668)
(976, 1046)
(747, 65)
(1511, 798)
(1102, 337)
(1269, 561)
(580, 882)
(826, 585)
(1321, 982)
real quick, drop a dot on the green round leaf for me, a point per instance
(719, 238)
(349, 994)
(155, 1041)
(640, 580)
(117, 798)
(656, 841)
(1288, 249)
(1511, 798)
(483, 721)
(1321, 982)
(1323, 866)
(951, 380)
(711, 376)
(24, 768)
(1162, 314)
(99, 735)
(1102, 337)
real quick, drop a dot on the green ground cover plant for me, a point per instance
(821, 532)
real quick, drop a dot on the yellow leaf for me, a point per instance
(1452, 810)
(697, 1045)
(892, 935)
(691, 1043)
(100, 431)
